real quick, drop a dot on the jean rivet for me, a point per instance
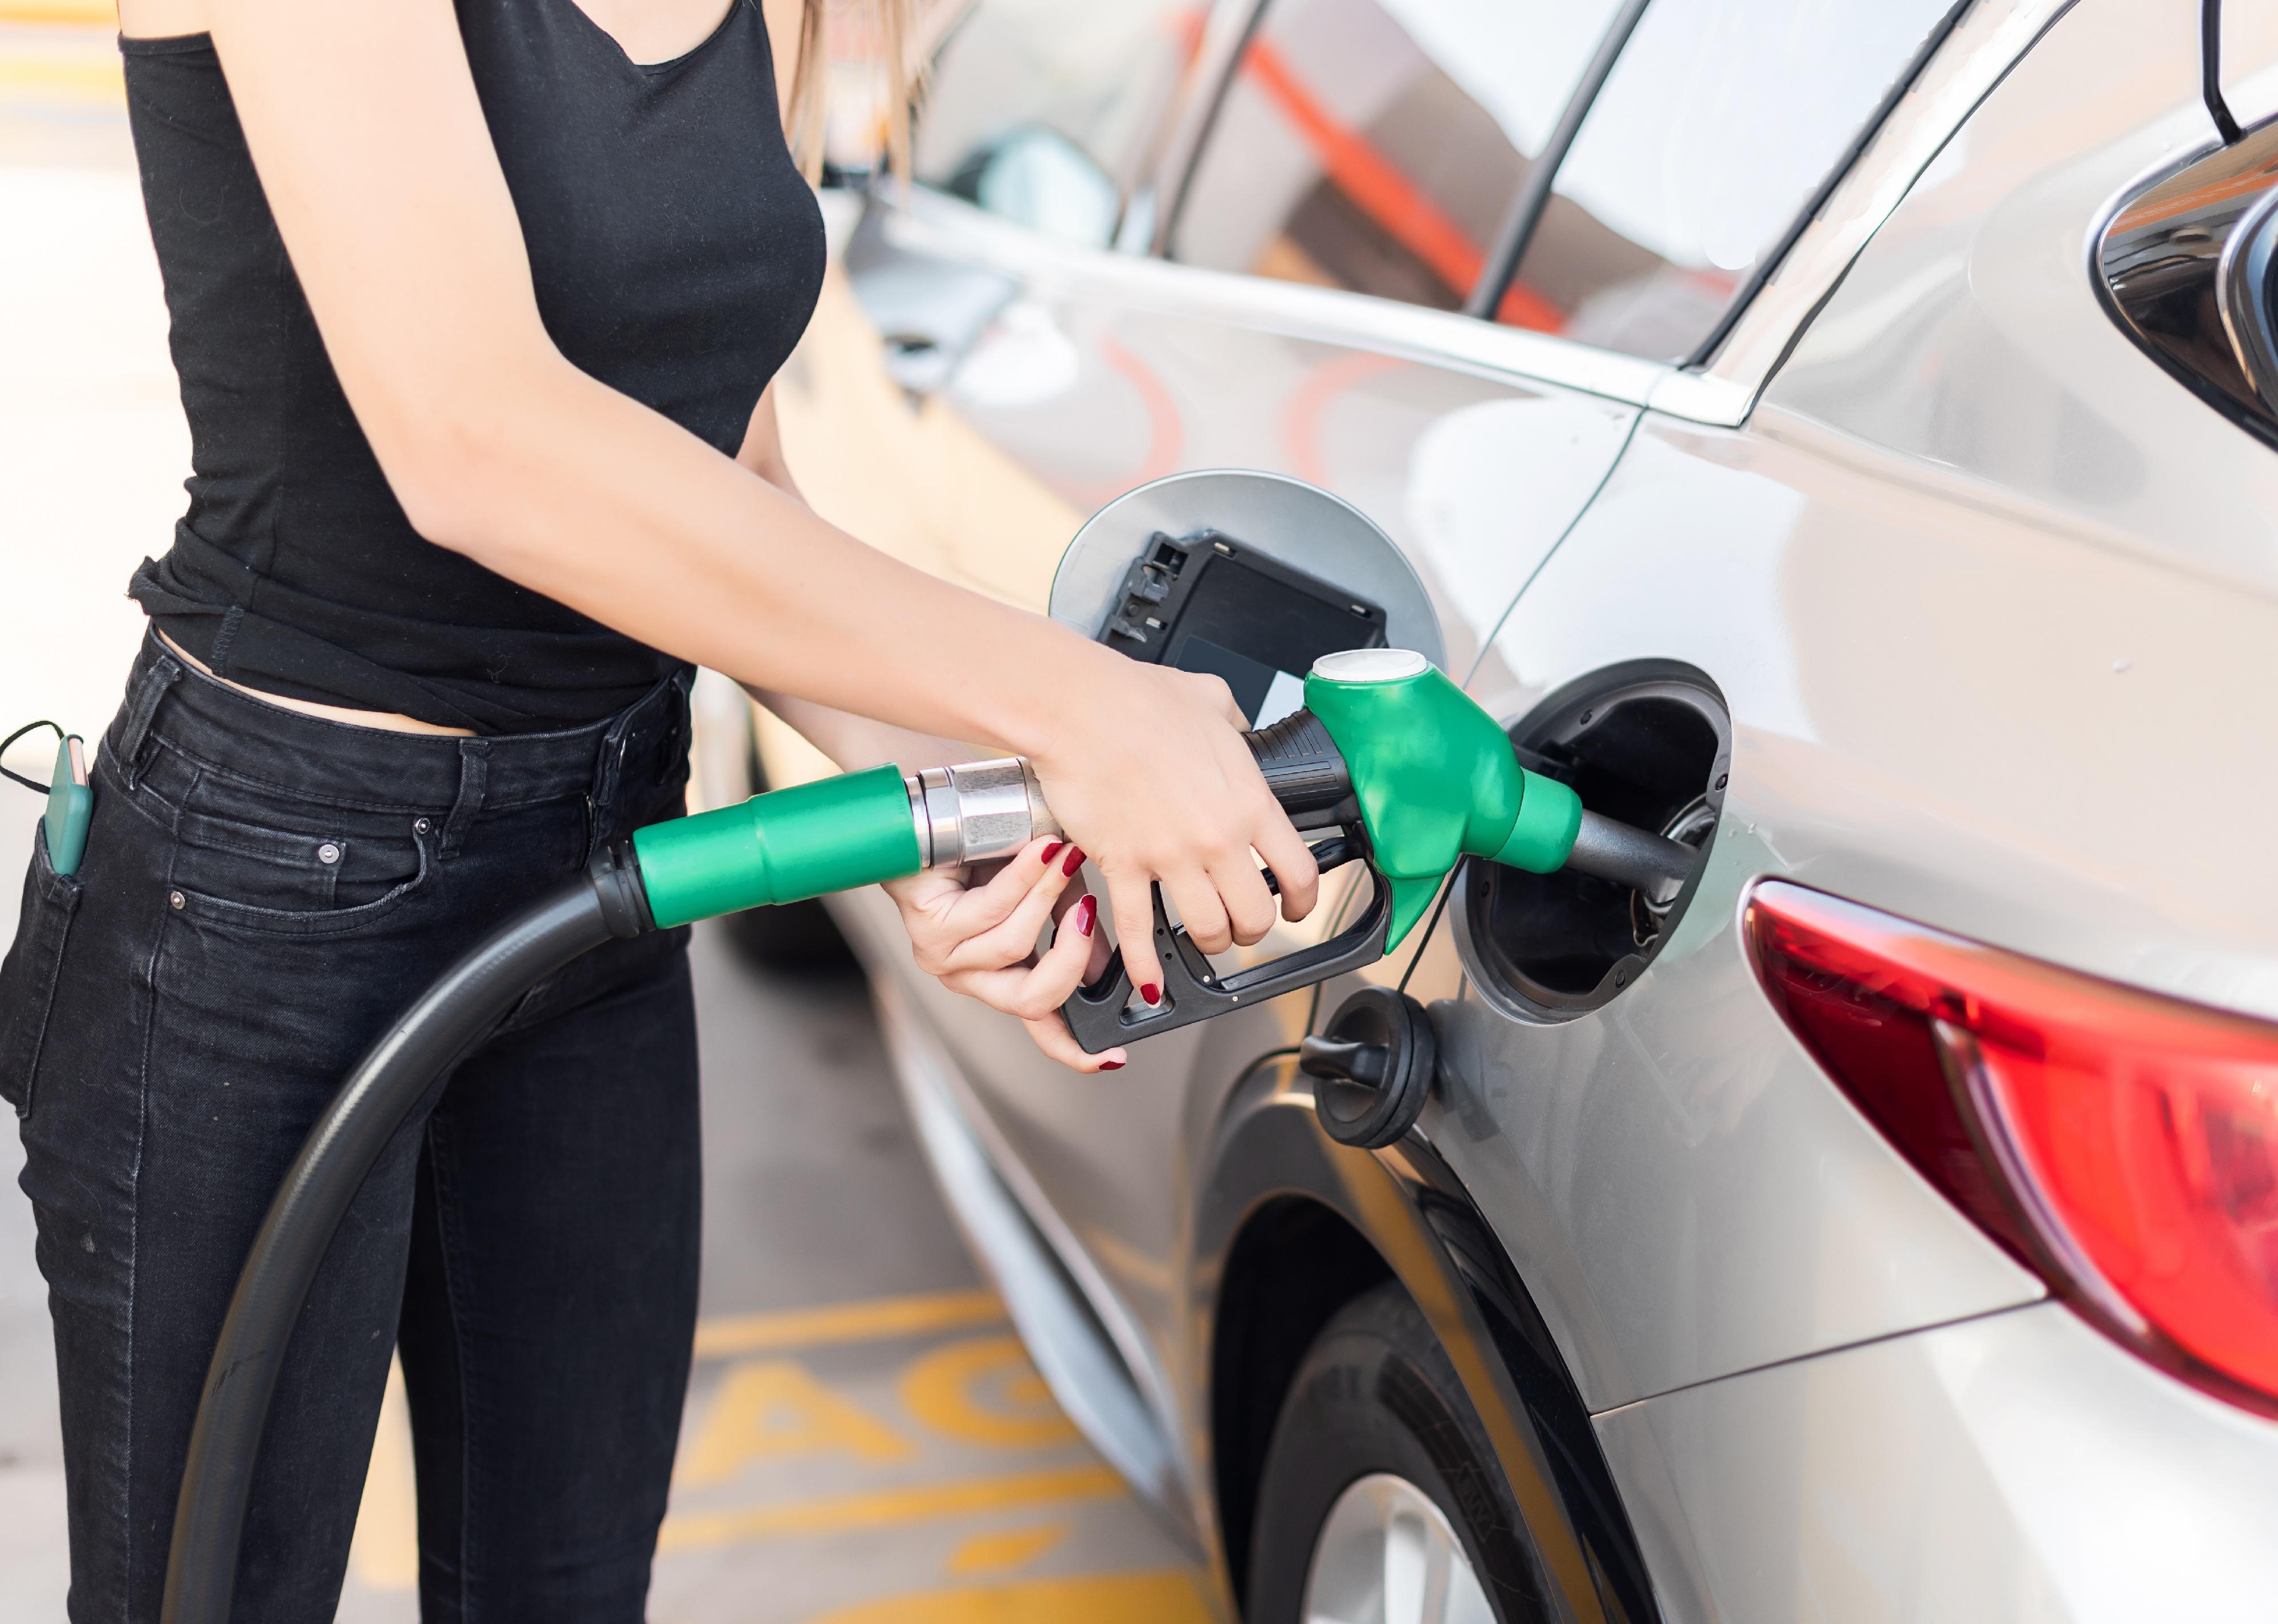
(176, 899)
(328, 853)
(420, 826)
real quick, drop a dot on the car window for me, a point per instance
(1375, 145)
(1716, 126)
(1047, 111)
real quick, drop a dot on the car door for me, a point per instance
(1300, 312)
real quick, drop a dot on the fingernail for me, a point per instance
(1085, 911)
(1055, 846)
(1074, 861)
(1111, 1065)
(1153, 994)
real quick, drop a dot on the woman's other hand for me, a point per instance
(981, 940)
(1144, 766)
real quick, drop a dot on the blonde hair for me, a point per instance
(888, 29)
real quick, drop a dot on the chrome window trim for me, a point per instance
(1860, 139)
(933, 223)
(1533, 197)
(1987, 43)
(1977, 55)
(1225, 35)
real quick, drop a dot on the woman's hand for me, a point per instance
(1144, 767)
(981, 940)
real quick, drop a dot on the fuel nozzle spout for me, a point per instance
(1652, 864)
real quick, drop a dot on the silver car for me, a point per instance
(1840, 433)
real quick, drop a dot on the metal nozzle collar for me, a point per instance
(977, 812)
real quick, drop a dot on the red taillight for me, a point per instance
(2123, 1145)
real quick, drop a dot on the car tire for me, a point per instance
(1379, 1476)
(795, 939)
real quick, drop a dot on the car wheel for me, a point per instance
(797, 939)
(1382, 1502)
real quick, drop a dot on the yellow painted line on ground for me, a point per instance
(1000, 1548)
(886, 1508)
(1163, 1597)
(984, 1391)
(874, 1321)
(62, 80)
(102, 11)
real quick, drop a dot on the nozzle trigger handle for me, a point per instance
(1304, 769)
(1104, 1014)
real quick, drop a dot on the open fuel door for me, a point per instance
(1248, 575)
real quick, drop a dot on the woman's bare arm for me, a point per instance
(852, 741)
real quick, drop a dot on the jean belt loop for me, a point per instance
(162, 676)
(604, 817)
(474, 773)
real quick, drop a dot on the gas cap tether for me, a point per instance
(1371, 1067)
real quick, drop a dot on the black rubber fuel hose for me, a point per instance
(449, 1019)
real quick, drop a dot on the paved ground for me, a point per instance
(864, 1441)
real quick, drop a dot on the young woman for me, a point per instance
(475, 310)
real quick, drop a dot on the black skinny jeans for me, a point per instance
(261, 892)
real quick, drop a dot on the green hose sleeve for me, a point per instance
(784, 846)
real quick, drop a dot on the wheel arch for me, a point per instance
(1290, 1226)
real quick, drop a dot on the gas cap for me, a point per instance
(1371, 1067)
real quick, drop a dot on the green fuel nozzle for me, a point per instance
(1416, 776)
(1434, 777)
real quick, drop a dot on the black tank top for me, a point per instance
(677, 253)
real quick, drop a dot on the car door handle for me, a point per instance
(917, 362)
(927, 309)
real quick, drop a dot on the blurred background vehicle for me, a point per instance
(1821, 434)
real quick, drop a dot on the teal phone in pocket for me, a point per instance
(71, 806)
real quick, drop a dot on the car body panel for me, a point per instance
(1078, 388)
(1971, 338)
(1990, 601)
(1962, 705)
(1926, 718)
(2018, 1467)
(1104, 372)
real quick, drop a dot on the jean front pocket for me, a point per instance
(265, 861)
(29, 973)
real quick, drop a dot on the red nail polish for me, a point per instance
(1086, 912)
(1073, 861)
(1049, 849)
(1153, 994)
(1111, 1065)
